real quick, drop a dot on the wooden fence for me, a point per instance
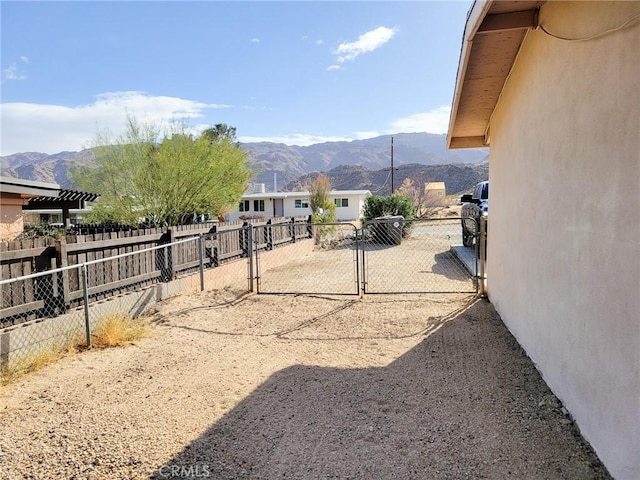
(51, 295)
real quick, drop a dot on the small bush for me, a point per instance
(378, 206)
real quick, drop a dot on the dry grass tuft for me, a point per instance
(113, 331)
(118, 330)
(39, 359)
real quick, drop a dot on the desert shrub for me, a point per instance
(324, 210)
(379, 206)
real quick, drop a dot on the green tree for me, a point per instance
(219, 132)
(163, 181)
(322, 208)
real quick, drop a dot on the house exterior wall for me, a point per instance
(351, 212)
(11, 219)
(564, 229)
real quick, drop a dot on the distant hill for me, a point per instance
(42, 167)
(284, 165)
(458, 178)
(291, 162)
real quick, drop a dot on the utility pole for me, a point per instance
(392, 189)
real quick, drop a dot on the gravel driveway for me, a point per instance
(269, 387)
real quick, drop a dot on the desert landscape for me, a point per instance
(232, 385)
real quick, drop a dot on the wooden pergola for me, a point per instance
(65, 201)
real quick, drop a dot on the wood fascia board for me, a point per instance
(476, 16)
(509, 21)
(467, 142)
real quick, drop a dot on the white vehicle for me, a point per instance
(473, 206)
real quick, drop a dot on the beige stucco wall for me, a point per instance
(564, 230)
(11, 218)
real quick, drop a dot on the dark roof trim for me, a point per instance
(65, 196)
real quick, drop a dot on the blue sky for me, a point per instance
(291, 72)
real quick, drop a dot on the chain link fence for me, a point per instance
(58, 308)
(416, 256)
(326, 262)
(48, 312)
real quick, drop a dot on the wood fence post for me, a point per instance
(244, 239)
(173, 252)
(292, 229)
(269, 234)
(309, 228)
(214, 252)
(163, 257)
(63, 261)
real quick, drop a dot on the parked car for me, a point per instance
(474, 206)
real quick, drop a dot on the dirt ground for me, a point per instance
(232, 386)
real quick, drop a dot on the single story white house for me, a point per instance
(349, 204)
(553, 88)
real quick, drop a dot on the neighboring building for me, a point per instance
(559, 106)
(38, 202)
(435, 194)
(349, 204)
(14, 194)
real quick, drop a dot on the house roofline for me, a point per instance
(493, 35)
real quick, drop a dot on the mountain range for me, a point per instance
(358, 164)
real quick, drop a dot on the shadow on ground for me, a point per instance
(466, 402)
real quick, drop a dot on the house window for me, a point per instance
(244, 206)
(258, 205)
(302, 203)
(341, 202)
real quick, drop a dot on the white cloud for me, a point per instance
(299, 139)
(255, 40)
(365, 135)
(29, 127)
(433, 121)
(12, 72)
(334, 67)
(319, 42)
(367, 42)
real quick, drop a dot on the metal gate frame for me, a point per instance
(359, 241)
(350, 241)
(391, 232)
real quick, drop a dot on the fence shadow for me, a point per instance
(450, 266)
(466, 401)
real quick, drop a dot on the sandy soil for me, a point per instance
(261, 386)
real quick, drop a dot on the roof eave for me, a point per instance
(475, 17)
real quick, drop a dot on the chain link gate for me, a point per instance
(314, 259)
(417, 256)
(388, 255)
